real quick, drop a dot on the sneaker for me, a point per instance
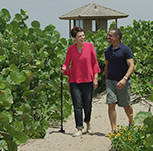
(78, 133)
(89, 129)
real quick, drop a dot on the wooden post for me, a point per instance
(74, 23)
(69, 28)
(79, 22)
(116, 22)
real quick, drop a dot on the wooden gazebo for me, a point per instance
(86, 15)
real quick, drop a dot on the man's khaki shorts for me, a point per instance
(114, 95)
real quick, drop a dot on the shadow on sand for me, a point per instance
(84, 133)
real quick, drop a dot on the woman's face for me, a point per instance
(80, 37)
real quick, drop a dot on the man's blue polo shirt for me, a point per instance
(117, 65)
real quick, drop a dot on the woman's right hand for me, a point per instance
(62, 69)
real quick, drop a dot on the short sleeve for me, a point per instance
(128, 53)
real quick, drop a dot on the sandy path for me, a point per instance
(97, 141)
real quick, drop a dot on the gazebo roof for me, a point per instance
(93, 11)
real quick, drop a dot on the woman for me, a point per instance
(83, 77)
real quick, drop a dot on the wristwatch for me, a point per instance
(125, 77)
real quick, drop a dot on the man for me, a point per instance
(118, 68)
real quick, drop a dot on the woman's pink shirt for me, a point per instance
(83, 66)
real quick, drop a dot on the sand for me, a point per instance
(97, 141)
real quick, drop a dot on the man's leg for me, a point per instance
(124, 101)
(129, 113)
(111, 100)
(112, 115)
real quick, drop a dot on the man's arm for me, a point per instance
(122, 82)
(106, 68)
(130, 63)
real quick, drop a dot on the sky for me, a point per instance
(48, 11)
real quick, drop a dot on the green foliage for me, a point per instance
(141, 116)
(139, 38)
(148, 122)
(29, 80)
(128, 139)
(146, 118)
(151, 97)
(136, 137)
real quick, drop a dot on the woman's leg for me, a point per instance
(77, 105)
(87, 91)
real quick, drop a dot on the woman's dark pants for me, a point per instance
(82, 99)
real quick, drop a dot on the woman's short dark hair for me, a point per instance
(117, 32)
(75, 30)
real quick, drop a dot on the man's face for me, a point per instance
(80, 37)
(112, 37)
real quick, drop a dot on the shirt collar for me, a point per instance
(120, 45)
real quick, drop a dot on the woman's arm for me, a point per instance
(96, 68)
(66, 64)
(95, 65)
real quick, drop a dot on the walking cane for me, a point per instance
(62, 130)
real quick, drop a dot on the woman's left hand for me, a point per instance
(95, 83)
